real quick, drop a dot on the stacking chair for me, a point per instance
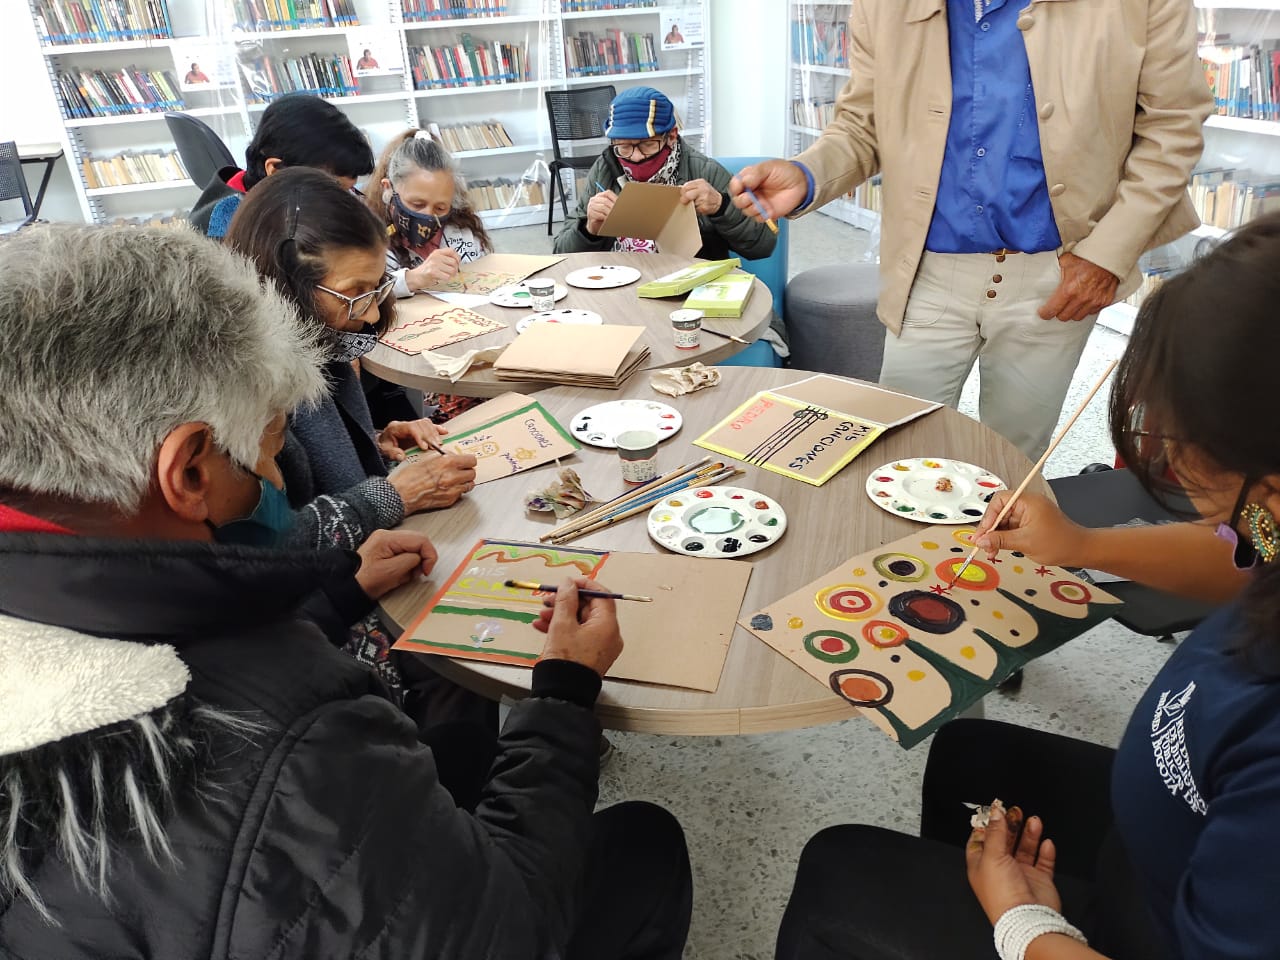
(202, 151)
(579, 114)
(13, 186)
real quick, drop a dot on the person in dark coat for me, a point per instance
(188, 768)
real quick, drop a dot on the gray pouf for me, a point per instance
(831, 320)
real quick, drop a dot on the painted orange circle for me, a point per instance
(979, 575)
(884, 633)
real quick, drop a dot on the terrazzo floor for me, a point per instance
(749, 803)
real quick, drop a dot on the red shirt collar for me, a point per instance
(15, 521)
(237, 182)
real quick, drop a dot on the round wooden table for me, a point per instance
(760, 690)
(620, 306)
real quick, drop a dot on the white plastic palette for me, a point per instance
(933, 490)
(603, 277)
(597, 426)
(517, 295)
(717, 522)
(559, 316)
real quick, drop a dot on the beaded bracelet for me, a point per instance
(1018, 926)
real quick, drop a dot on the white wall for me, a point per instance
(749, 76)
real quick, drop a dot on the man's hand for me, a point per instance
(1035, 527)
(1085, 289)
(1007, 871)
(779, 185)
(434, 482)
(598, 208)
(582, 630)
(441, 266)
(401, 435)
(390, 557)
(705, 198)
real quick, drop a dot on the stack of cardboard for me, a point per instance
(579, 356)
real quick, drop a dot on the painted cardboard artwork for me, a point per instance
(428, 324)
(681, 639)
(495, 271)
(884, 632)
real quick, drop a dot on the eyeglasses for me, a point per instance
(358, 306)
(648, 148)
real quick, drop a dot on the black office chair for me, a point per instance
(579, 114)
(201, 149)
(1102, 497)
(13, 186)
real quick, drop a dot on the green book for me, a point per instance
(684, 280)
(724, 296)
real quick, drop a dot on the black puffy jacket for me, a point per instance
(306, 819)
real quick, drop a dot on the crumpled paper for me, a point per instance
(564, 498)
(455, 368)
(677, 381)
(982, 813)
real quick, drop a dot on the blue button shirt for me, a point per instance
(992, 191)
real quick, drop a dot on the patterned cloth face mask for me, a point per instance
(417, 229)
(345, 347)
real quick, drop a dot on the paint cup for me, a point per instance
(686, 326)
(542, 294)
(638, 455)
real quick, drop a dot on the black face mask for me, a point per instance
(417, 229)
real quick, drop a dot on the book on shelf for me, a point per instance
(822, 43)
(129, 167)
(173, 218)
(812, 113)
(1244, 78)
(111, 93)
(322, 74)
(610, 52)
(417, 11)
(460, 137)
(262, 16)
(869, 194)
(1229, 198)
(590, 6)
(502, 192)
(102, 21)
(468, 63)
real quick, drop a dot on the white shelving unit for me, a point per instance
(385, 105)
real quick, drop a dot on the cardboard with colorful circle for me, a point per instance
(933, 489)
(884, 632)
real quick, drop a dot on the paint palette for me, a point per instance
(933, 490)
(597, 426)
(560, 316)
(717, 522)
(517, 295)
(603, 277)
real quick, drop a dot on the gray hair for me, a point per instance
(424, 152)
(115, 336)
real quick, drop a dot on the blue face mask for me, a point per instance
(267, 526)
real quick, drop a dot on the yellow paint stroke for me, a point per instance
(916, 675)
(1017, 569)
(501, 593)
(974, 574)
(929, 545)
(997, 614)
(968, 652)
(965, 535)
(795, 623)
(859, 572)
(553, 560)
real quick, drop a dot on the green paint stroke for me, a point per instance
(482, 612)
(472, 648)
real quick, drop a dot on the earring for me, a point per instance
(1263, 531)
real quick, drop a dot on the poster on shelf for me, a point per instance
(374, 52)
(681, 26)
(203, 64)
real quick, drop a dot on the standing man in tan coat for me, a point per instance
(1031, 151)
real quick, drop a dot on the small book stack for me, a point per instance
(461, 137)
(685, 279)
(585, 6)
(97, 21)
(468, 63)
(320, 74)
(725, 296)
(616, 52)
(578, 356)
(415, 11)
(112, 93)
(262, 16)
(152, 166)
(500, 193)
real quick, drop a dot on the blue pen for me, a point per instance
(598, 187)
(768, 221)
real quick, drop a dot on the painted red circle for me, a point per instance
(704, 494)
(1069, 591)
(832, 645)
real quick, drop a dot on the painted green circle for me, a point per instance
(812, 646)
(715, 520)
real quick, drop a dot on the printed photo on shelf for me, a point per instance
(203, 64)
(682, 27)
(374, 52)
(885, 632)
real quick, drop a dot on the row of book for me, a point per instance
(1245, 79)
(812, 113)
(586, 6)
(615, 52)
(112, 93)
(1228, 198)
(269, 15)
(468, 64)
(491, 135)
(419, 10)
(102, 21)
(173, 218)
(151, 166)
(820, 43)
(501, 192)
(322, 74)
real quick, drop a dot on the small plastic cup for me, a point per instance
(542, 294)
(686, 327)
(638, 456)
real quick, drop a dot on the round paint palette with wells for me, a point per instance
(717, 522)
(933, 490)
(517, 295)
(566, 315)
(599, 425)
(603, 277)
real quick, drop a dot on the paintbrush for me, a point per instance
(768, 220)
(1008, 504)
(648, 498)
(714, 478)
(597, 512)
(600, 594)
(727, 336)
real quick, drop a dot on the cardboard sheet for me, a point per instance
(424, 323)
(873, 404)
(653, 211)
(681, 639)
(883, 631)
(489, 273)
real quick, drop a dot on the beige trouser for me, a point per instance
(977, 306)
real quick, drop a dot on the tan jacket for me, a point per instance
(1120, 94)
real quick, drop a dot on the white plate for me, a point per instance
(597, 426)
(602, 277)
(517, 295)
(933, 490)
(717, 522)
(560, 316)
